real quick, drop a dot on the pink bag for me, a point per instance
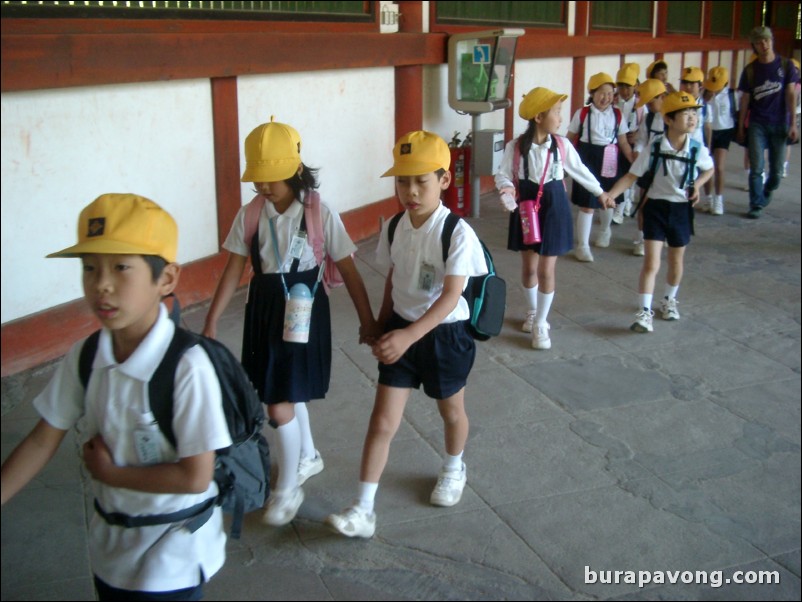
(331, 275)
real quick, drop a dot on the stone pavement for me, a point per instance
(614, 451)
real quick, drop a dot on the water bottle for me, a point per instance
(298, 314)
(529, 225)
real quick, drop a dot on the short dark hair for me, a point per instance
(306, 180)
(673, 114)
(157, 265)
(440, 173)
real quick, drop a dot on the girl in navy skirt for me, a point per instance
(540, 158)
(286, 374)
(600, 133)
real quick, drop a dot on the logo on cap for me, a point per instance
(684, 98)
(96, 226)
(406, 149)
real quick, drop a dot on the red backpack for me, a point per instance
(583, 115)
(314, 224)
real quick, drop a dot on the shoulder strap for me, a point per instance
(618, 118)
(315, 224)
(87, 358)
(160, 388)
(583, 115)
(252, 212)
(451, 222)
(560, 144)
(393, 225)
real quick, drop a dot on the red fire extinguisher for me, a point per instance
(457, 197)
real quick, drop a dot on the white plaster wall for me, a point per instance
(345, 119)
(61, 149)
(692, 59)
(609, 64)
(554, 74)
(673, 61)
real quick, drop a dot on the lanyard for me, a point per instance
(543, 179)
(281, 263)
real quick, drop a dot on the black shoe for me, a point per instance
(754, 213)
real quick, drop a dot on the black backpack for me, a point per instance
(486, 295)
(242, 471)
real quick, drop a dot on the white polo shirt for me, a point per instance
(599, 123)
(721, 110)
(645, 133)
(669, 188)
(413, 249)
(115, 405)
(338, 244)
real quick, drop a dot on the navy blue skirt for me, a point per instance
(556, 222)
(283, 371)
(592, 156)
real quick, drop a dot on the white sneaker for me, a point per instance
(448, 490)
(709, 205)
(583, 254)
(765, 176)
(353, 522)
(309, 467)
(603, 239)
(618, 213)
(282, 507)
(643, 321)
(669, 309)
(540, 338)
(637, 248)
(530, 320)
(785, 169)
(718, 206)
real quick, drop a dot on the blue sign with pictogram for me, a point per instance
(481, 54)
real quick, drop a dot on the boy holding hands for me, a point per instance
(681, 170)
(422, 316)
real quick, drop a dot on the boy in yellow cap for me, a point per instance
(127, 245)
(422, 315)
(677, 168)
(723, 109)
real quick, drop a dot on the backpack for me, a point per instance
(242, 471)
(584, 112)
(734, 108)
(331, 274)
(486, 294)
(645, 181)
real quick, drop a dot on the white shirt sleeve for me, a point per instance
(465, 255)
(504, 176)
(338, 243)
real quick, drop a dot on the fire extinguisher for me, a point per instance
(458, 196)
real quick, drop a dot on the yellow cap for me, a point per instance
(676, 101)
(272, 153)
(717, 78)
(537, 101)
(692, 74)
(628, 74)
(124, 224)
(659, 63)
(796, 62)
(598, 80)
(649, 90)
(418, 153)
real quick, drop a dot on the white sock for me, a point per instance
(543, 306)
(367, 495)
(453, 462)
(645, 300)
(606, 218)
(639, 237)
(531, 297)
(307, 442)
(584, 221)
(671, 291)
(288, 437)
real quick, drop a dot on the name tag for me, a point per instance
(297, 245)
(426, 277)
(147, 442)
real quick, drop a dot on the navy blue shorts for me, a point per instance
(113, 594)
(722, 138)
(668, 222)
(440, 361)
